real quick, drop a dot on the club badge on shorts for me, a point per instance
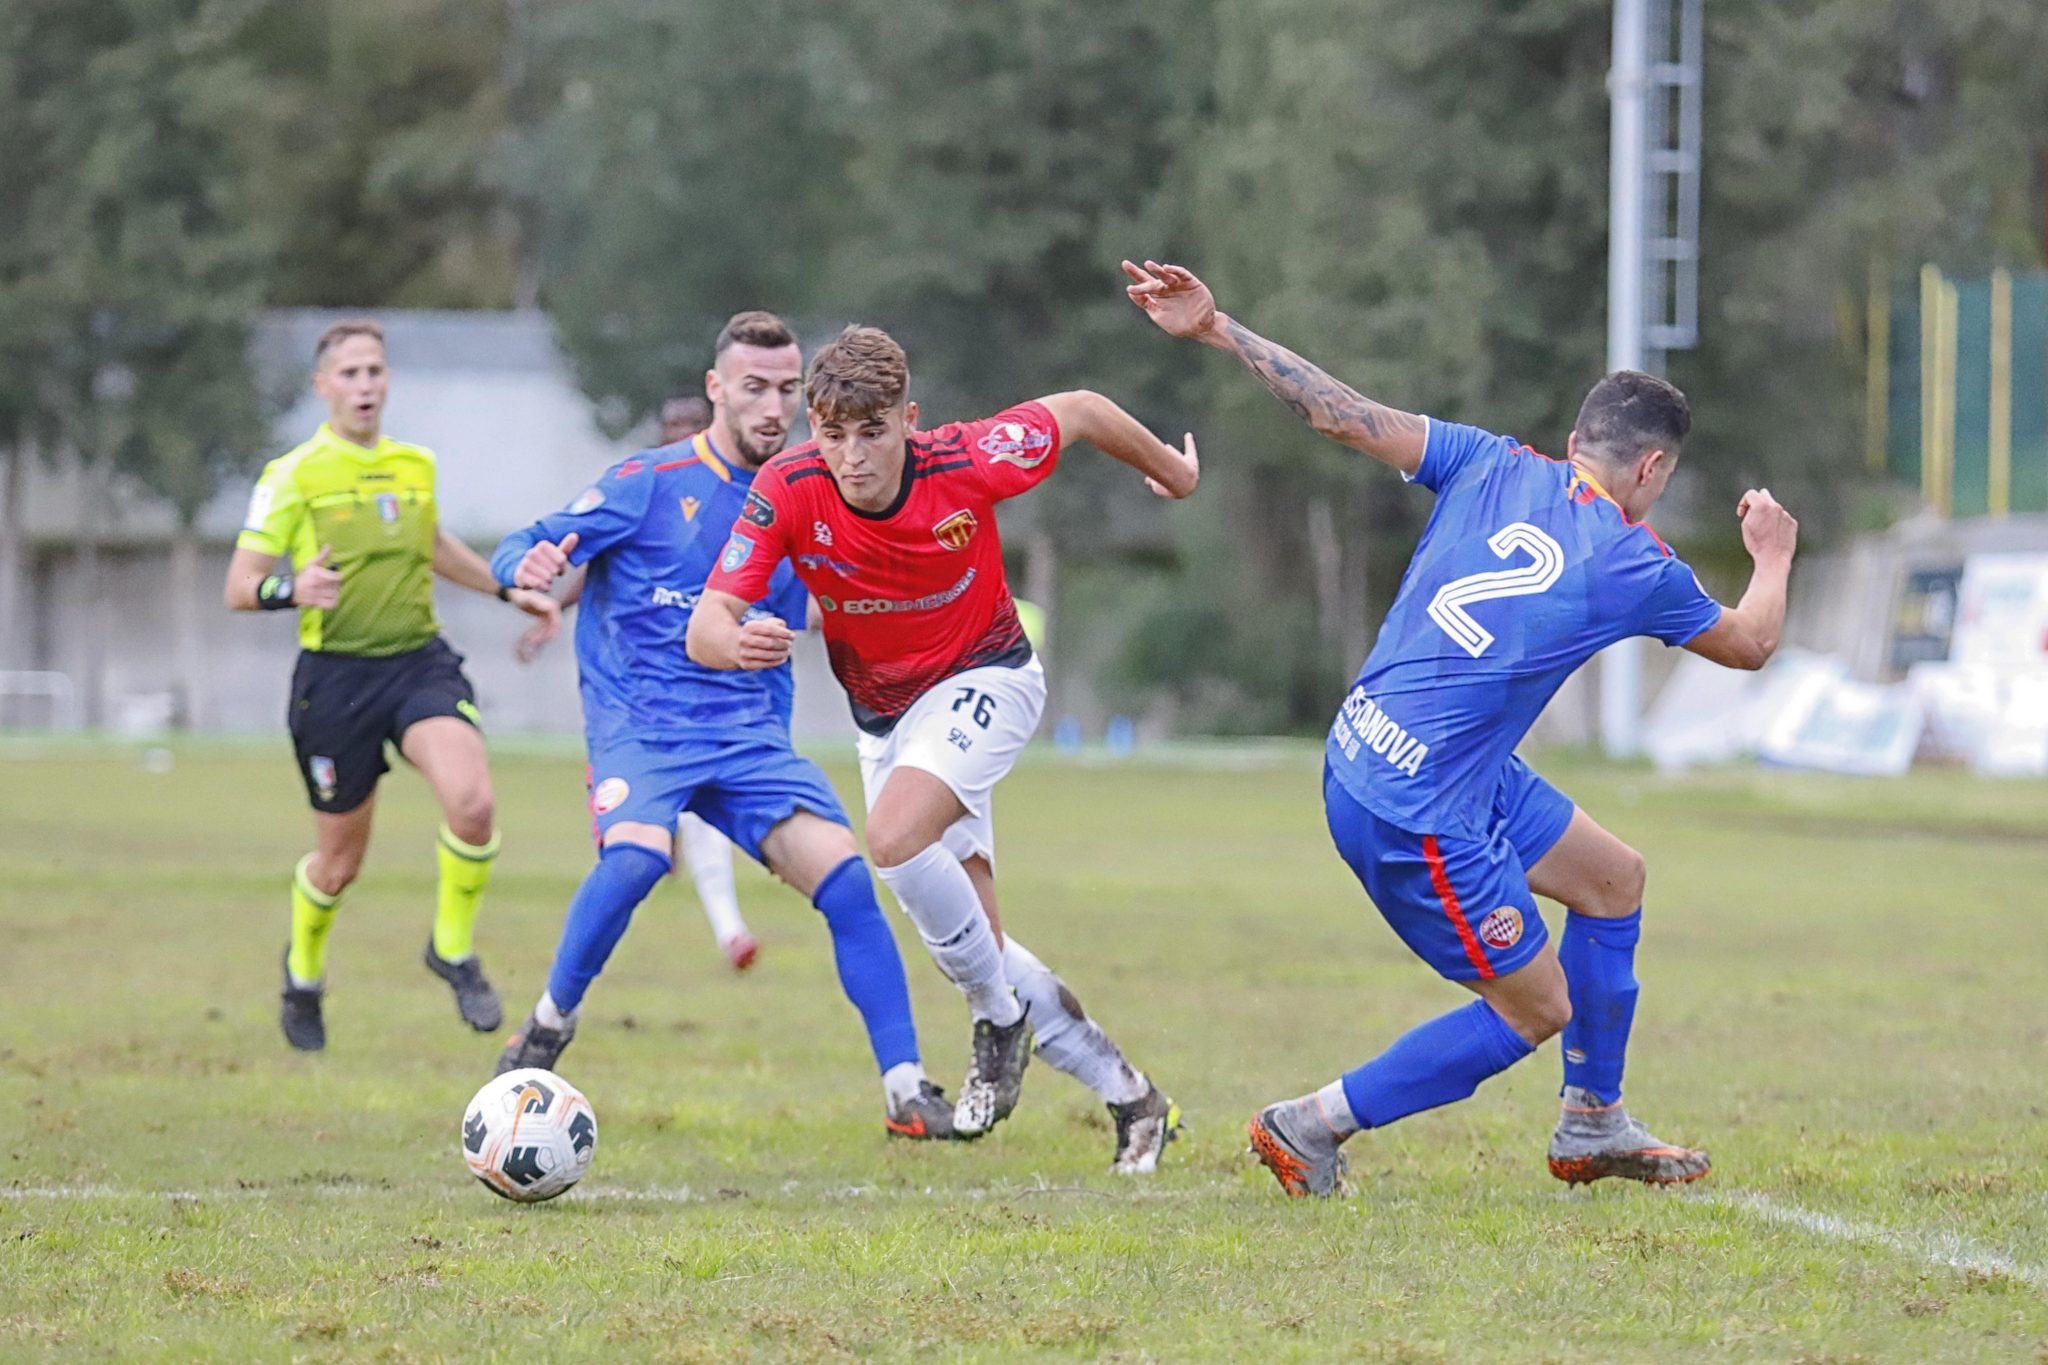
(609, 795)
(322, 769)
(1502, 928)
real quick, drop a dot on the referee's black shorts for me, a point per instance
(345, 707)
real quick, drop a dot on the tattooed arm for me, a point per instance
(1183, 306)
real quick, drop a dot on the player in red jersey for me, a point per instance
(894, 532)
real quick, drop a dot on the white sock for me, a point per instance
(934, 890)
(1335, 1109)
(709, 855)
(1067, 1038)
(548, 1015)
(900, 1083)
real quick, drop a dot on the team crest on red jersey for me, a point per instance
(955, 531)
(1502, 928)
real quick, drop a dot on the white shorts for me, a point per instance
(967, 732)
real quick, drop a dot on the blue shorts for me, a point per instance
(1462, 905)
(741, 784)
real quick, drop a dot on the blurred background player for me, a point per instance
(666, 735)
(1528, 567)
(706, 852)
(352, 516)
(894, 531)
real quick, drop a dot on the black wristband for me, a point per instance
(504, 593)
(275, 592)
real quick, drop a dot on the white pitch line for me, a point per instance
(1936, 1248)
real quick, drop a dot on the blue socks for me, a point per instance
(1432, 1064)
(1599, 961)
(598, 915)
(870, 968)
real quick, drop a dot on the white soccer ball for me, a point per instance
(529, 1135)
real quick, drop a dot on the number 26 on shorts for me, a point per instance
(1448, 607)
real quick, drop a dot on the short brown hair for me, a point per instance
(753, 328)
(339, 332)
(861, 372)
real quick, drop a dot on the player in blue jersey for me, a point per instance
(667, 736)
(706, 852)
(1527, 568)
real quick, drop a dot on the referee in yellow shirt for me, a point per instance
(344, 531)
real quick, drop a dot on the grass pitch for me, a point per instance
(1845, 1000)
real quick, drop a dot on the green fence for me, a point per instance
(1958, 390)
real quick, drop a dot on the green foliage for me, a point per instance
(379, 125)
(131, 269)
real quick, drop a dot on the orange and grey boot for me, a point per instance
(926, 1116)
(1595, 1140)
(1299, 1148)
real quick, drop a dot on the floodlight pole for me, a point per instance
(1653, 244)
(1628, 93)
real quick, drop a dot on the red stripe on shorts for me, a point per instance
(1441, 880)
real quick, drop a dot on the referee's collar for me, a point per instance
(328, 436)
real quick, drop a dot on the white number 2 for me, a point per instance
(1447, 608)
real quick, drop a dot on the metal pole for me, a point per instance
(1877, 376)
(1628, 82)
(1999, 490)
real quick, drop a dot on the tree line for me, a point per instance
(1412, 195)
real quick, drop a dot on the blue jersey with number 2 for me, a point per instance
(1525, 571)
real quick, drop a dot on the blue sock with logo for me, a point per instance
(598, 915)
(1599, 961)
(1432, 1064)
(870, 968)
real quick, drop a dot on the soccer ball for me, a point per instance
(529, 1135)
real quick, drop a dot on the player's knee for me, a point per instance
(333, 873)
(470, 812)
(1631, 875)
(1553, 1012)
(1540, 1017)
(893, 845)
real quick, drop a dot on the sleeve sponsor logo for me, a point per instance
(955, 531)
(260, 503)
(738, 551)
(1014, 443)
(757, 509)
(589, 500)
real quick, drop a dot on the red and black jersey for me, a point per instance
(911, 594)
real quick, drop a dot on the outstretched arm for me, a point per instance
(1087, 416)
(463, 566)
(1183, 306)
